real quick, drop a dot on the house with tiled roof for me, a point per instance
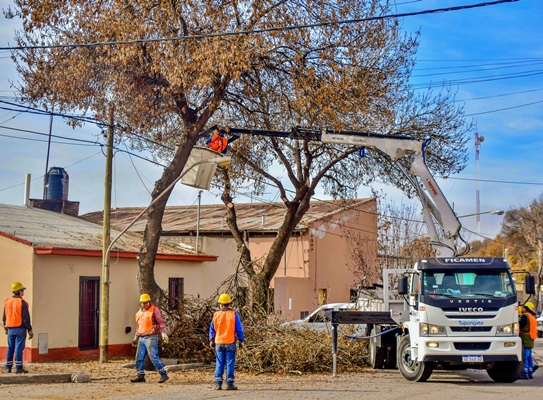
(322, 262)
(58, 258)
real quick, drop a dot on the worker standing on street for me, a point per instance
(528, 333)
(16, 322)
(224, 331)
(149, 325)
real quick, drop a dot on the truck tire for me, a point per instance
(411, 369)
(505, 371)
(377, 353)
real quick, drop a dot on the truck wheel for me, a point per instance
(377, 353)
(505, 371)
(411, 369)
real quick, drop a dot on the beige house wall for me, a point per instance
(295, 292)
(15, 266)
(57, 282)
(329, 262)
(294, 263)
(53, 292)
(214, 273)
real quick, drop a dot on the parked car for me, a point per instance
(319, 320)
(540, 326)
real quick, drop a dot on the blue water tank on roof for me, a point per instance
(57, 184)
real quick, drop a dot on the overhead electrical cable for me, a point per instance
(263, 30)
(503, 109)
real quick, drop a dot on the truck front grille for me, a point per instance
(471, 328)
(472, 346)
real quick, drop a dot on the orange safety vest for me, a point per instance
(144, 319)
(224, 323)
(533, 326)
(13, 307)
(217, 143)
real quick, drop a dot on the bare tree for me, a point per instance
(342, 76)
(524, 227)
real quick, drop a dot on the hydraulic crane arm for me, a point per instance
(435, 207)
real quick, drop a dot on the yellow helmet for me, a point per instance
(224, 299)
(530, 306)
(17, 286)
(144, 297)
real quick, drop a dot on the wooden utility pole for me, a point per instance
(46, 176)
(104, 304)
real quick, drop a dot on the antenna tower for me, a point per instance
(478, 141)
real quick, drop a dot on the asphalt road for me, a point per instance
(369, 384)
(374, 385)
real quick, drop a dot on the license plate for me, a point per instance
(472, 359)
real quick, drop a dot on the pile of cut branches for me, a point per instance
(269, 347)
(189, 331)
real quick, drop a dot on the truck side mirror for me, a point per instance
(402, 286)
(529, 284)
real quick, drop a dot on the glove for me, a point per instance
(135, 341)
(6, 330)
(164, 337)
(212, 345)
(30, 334)
(241, 345)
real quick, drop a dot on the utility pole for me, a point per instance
(104, 304)
(46, 176)
(198, 222)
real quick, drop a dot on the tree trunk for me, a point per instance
(153, 229)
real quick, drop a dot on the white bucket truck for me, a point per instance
(457, 312)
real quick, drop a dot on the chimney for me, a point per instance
(26, 201)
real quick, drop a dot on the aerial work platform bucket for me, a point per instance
(200, 176)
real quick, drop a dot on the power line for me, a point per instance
(478, 79)
(40, 177)
(45, 141)
(520, 62)
(498, 95)
(46, 134)
(99, 123)
(264, 30)
(503, 109)
(494, 181)
(475, 70)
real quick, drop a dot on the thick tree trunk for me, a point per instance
(153, 229)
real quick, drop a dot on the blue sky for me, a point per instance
(496, 53)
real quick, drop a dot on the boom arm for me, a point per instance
(435, 207)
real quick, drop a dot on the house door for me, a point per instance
(89, 312)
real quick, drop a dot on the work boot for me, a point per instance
(140, 378)
(524, 377)
(21, 371)
(218, 387)
(231, 387)
(163, 378)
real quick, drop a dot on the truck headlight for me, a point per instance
(432, 330)
(507, 330)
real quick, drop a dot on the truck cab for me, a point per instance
(463, 313)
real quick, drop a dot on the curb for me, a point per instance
(7, 379)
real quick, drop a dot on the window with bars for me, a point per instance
(176, 291)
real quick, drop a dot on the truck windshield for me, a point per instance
(467, 284)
